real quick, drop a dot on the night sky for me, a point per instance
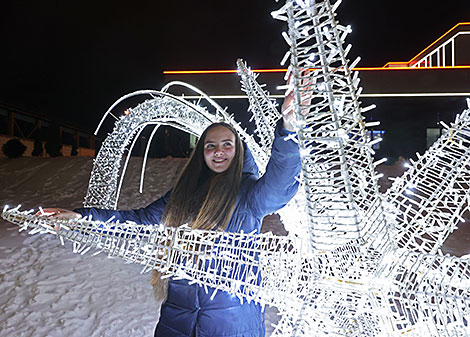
(70, 60)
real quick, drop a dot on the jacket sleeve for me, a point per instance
(279, 184)
(152, 214)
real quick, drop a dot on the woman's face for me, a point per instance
(219, 149)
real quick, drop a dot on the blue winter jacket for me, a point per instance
(188, 310)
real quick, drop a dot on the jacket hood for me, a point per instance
(249, 165)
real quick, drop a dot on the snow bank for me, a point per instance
(45, 289)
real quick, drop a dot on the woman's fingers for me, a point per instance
(59, 213)
(287, 109)
(47, 211)
(306, 93)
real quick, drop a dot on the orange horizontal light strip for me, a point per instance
(230, 71)
(432, 44)
(413, 68)
(176, 72)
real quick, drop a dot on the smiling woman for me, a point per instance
(219, 148)
(218, 189)
(207, 189)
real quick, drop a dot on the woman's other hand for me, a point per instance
(59, 213)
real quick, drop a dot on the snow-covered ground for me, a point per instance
(46, 290)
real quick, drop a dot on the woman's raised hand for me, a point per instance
(59, 213)
(287, 108)
(287, 111)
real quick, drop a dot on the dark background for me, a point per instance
(70, 60)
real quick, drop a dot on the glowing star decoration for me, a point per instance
(386, 285)
(359, 263)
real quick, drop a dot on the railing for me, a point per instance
(27, 127)
(441, 53)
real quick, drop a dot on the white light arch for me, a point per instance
(107, 176)
(162, 109)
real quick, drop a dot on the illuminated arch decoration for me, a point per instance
(105, 181)
(370, 265)
(162, 109)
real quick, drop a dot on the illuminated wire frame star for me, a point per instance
(356, 262)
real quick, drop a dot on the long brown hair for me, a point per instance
(201, 197)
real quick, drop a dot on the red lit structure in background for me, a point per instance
(450, 51)
(441, 69)
(412, 97)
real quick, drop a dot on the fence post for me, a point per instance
(76, 138)
(11, 123)
(91, 142)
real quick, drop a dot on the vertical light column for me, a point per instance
(340, 180)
